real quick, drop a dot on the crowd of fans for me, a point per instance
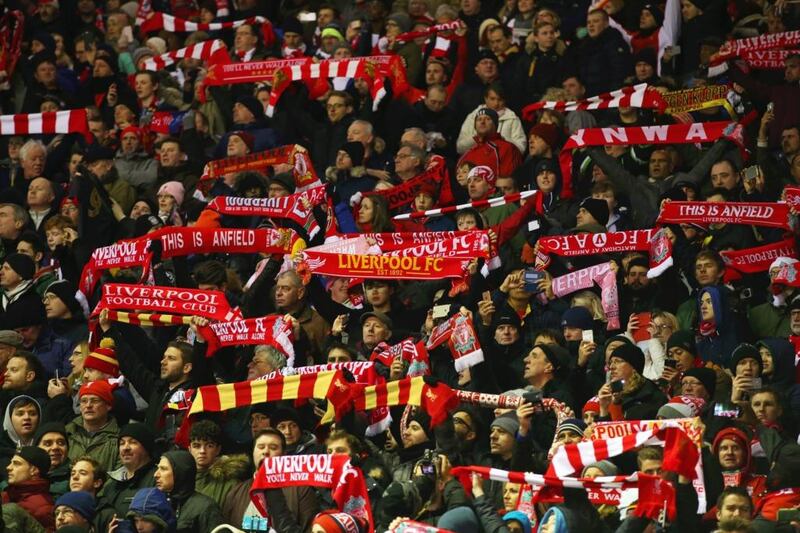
(88, 441)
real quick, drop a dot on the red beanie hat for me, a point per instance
(101, 388)
(592, 405)
(131, 129)
(333, 522)
(103, 358)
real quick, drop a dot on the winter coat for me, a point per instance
(9, 439)
(34, 497)
(10, 304)
(348, 182)
(119, 491)
(138, 169)
(18, 520)
(153, 502)
(644, 402)
(601, 62)
(717, 347)
(496, 153)
(218, 479)
(509, 128)
(59, 479)
(121, 191)
(767, 320)
(263, 138)
(54, 353)
(103, 445)
(302, 503)
(195, 511)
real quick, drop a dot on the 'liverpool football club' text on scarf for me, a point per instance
(770, 215)
(605, 278)
(759, 258)
(698, 132)
(592, 244)
(271, 330)
(291, 207)
(330, 471)
(639, 96)
(177, 300)
(460, 336)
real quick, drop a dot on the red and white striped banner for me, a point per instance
(163, 21)
(639, 96)
(69, 121)
(477, 204)
(370, 67)
(213, 52)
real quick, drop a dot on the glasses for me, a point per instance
(662, 327)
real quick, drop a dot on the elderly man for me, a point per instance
(32, 160)
(291, 298)
(409, 161)
(40, 202)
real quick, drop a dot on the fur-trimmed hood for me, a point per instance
(356, 172)
(230, 467)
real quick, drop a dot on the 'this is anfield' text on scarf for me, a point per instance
(763, 214)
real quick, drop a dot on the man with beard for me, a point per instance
(99, 160)
(732, 449)
(637, 293)
(182, 368)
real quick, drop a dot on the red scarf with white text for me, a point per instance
(759, 258)
(271, 330)
(585, 278)
(176, 300)
(304, 175)
(459, 333)
(763, 214)
(738, 47)
(592, 244)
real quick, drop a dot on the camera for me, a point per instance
(533, 397)
(429, 464)
(617, 386)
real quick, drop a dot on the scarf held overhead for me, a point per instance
(162, 21)
(176, 300)
(639, 96)
(698, 132)
(69, 121)
(213, 52)
(759, 258)
(771, 215)
(250, 72)
(475, 204)
(592, 244)
(605, 278)
(736, 48)
(304, 175)
(330, 471)
(271, 330)
(460, 336)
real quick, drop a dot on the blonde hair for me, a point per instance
(590, 301)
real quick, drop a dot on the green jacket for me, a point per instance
(766, 320)
(18, 520)
(220, 477)
(59, 479)
(102, 446)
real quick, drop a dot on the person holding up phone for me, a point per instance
(746, 365)
(638, 397)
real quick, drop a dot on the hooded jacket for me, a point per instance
(218, 479)
(153, 505)
(194, 511)
(756, 485)
(509, 128)
(138, 168)
(717, 346)
(9, 440)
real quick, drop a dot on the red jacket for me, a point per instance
(494, 152)
(33, 496)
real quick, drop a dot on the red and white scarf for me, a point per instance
(174, 300)
(431, 30)
(403, 194)
(736, 48)
(143, 11)
(639, 96)
(585, 278)
(370, 68)
(764, 214)
(698, 132)
(69, 121)
(271, 330)
(475, 204)
(303, 171)
(212, 52)
(250, 72)
(330, 471)
(767, 59)
(12, 26)
(412, 352)
(592, 243)
(660, 254)
(759, 258)
(289, 207)
(459, 333)
(162, 21)
(122, 254)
